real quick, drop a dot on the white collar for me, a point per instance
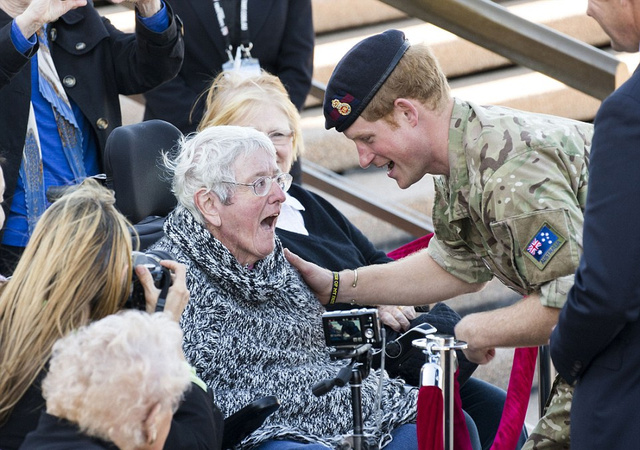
(290, 218)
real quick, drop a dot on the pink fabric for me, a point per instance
(413, 246)
(461, 438)
(518, 393)
(515, 408)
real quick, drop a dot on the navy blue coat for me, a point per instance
(594, 343)
(283, 38)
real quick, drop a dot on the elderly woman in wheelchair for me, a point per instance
(252, 327)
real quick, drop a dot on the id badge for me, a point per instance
(248, 67)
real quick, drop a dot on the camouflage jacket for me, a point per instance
(512, 205)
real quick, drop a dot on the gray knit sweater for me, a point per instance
(256, 332)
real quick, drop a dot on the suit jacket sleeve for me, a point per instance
(606, 293)
(295, 59)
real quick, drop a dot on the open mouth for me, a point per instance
(390, 166)
(270, 222)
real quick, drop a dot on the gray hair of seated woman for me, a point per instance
(206, 160)
(107, 376)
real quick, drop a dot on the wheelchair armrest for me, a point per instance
(248, 419)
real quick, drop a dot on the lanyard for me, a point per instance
(245, 43)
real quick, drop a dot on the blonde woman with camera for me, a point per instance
(76, 269)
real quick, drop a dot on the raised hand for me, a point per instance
(41, 12)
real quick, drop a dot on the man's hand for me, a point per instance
(41, 12)
(396, 317)
(481, 355)
(178, 295)
(318, 279)
(465, 330)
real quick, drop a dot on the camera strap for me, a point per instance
(164, 290)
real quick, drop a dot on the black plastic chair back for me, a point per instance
(133, 165)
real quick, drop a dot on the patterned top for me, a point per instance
(512, 206)
(256, 332)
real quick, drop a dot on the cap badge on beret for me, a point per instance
(359, 75)
(343, 108)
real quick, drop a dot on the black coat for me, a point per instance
(197, 425)
(595, 341)
(109, 63)
(58, 434)
(283, 39)
(333, 241)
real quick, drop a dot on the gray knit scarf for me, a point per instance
(256, 332)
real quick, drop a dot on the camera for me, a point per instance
(350, 329)
(160, 274)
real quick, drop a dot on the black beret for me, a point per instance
(359, 75)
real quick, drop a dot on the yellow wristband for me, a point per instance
(335, 287)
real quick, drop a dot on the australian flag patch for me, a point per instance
(544, 245)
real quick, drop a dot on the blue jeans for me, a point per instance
(405, 437)
(290, 445)
(484, 403)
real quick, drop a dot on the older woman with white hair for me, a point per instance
(252, 327)
(118, 381)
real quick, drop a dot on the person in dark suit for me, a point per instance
(593, 344)
(282, 38)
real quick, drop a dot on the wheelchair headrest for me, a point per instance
(133, 165)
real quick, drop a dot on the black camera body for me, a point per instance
(351, 329)
(161, 278)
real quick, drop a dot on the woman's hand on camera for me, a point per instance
(178, 295)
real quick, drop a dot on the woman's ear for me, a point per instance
(209, 205)
(150, 425)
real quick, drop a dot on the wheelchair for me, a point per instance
(134, 171)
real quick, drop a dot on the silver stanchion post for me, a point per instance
(439, 370)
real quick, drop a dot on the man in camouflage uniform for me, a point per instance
(510, 193)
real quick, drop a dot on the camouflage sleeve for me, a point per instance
(459, 262)
(533, 206)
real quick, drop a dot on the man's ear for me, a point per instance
(406, 110)
(208, 204)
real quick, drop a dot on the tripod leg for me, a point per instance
(356, 400)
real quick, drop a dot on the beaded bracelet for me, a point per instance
(334, 289)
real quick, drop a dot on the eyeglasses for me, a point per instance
(262, 185)
(280, 138)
